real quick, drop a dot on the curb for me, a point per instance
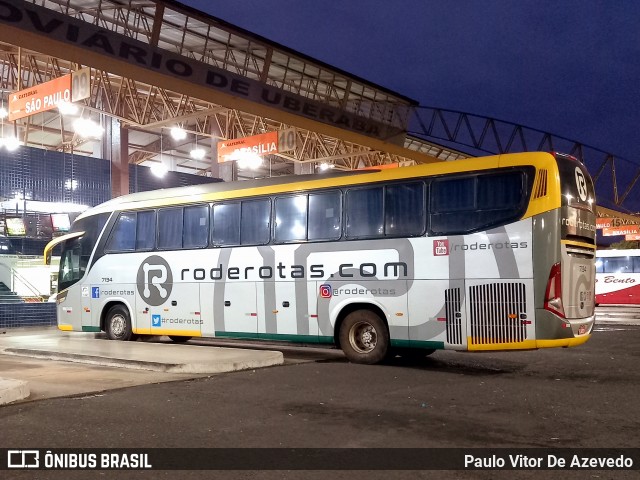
(12, 390)
(267, 359)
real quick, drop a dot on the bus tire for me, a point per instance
(364, 337)
(179, 339)
(118, 323)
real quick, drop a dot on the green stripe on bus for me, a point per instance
(282, 337)
(90, 329)
(417, 344)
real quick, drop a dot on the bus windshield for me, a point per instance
(76, 252)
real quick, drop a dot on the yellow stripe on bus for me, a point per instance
(563, 342)
(479, 347)
(65, 328)
(579, 244)
(539, 205)
(527, 344)
(163, 331)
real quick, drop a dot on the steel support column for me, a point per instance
(118, 149)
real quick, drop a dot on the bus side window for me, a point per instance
(123, 236)
(500, 191)
(146, 231)
(196, 226)
(225, 224)
(404, 210)
(618, 265)
(325, 215)
(636, 264)
(170, 228)
(472, 203)
(291, 218)
(365, 217)
(255, 223)
(451, 202)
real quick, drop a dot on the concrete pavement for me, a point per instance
(618, 314)
(70, 356)
(156, 362)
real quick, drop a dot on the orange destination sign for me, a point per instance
(628, 230)
(633, 236)
(263, 144)
(604, 223)
(39, 98)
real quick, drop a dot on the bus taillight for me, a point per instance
(553, 295)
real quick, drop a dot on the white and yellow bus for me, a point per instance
(496, 253)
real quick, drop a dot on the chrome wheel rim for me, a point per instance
(118, 325)
(363, 337)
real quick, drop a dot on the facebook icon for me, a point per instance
(95, 292)
(156, 321)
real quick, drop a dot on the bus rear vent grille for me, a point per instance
(498, 313)
(540, 188)
(453, 315)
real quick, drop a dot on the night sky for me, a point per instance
(570, 67)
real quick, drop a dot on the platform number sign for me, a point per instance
(81, 84)
(287, 140)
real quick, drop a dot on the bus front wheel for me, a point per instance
(364, 337)
(118, 323)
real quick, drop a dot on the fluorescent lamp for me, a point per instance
(247, 159)
(67, 108)
(325, 166)
(159, 169)
(178, 133)
(10, 143)
(87, 128)
(197, 153)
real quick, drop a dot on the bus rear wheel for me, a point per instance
(118, 323)
(364, 337)
(179, 339)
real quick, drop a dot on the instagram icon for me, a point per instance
(325, 291)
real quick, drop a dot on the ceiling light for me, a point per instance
(159, 169)
(246, 159)
(178, 133)
(67, 108)
(325, 166)
(10, 143)
(197, 153)
(87, 128)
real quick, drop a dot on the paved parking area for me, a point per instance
(54, 363)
